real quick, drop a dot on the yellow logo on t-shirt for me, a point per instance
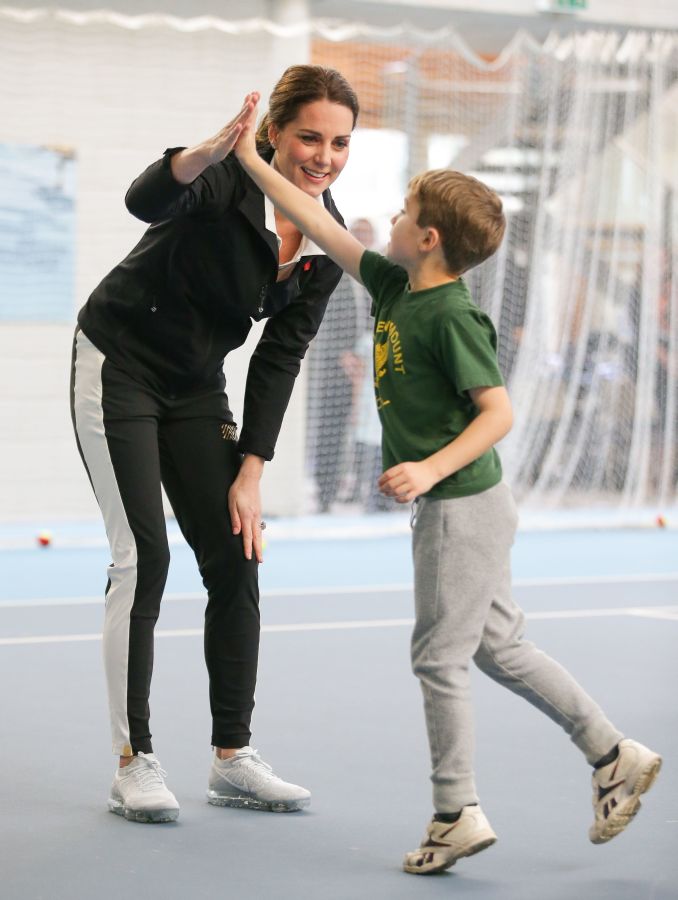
(380, 359)
(392, 348)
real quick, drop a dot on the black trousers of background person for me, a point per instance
(185, 443)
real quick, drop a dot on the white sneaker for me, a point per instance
(617, 788)
(245, 780)
(139, 794)
(446, 842)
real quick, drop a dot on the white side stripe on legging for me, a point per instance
(89, 423)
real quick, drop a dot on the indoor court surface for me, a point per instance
(568, 110)
(338, 711)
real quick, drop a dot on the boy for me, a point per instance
(443, 407)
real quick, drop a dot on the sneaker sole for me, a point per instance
(242, 801)
(145, 816)
(447, 864)
(624, 814)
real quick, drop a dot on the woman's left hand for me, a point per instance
(244, 506)
(188, 164)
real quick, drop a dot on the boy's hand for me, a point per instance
(408, 480)
(245, 144)
(223, 141)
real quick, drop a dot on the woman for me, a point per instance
(149, 407)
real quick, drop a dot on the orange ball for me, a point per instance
(661, 522)
(44, 538)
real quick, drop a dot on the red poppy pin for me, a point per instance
(307, 265)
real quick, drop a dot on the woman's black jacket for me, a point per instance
(187, 293)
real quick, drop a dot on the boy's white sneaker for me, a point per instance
(446, 842)
(617, 788)
(139, 793)
(245, 780)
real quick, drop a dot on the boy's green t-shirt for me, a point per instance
(430, 348)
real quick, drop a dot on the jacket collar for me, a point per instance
(253, 207)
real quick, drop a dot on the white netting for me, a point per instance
(580, 137)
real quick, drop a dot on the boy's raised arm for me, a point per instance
(310, 217)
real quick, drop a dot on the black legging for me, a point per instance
(132, 438)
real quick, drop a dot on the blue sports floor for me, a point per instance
(338, 711)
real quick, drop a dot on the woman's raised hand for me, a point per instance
(188, 164)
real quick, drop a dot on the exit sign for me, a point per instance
(562, 6)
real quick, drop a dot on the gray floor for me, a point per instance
(338, 711)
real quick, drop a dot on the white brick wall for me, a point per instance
(41, 473)
(118, 97)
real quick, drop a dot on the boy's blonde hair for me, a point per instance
(467, 214)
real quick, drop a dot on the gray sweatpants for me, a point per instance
(464, 611)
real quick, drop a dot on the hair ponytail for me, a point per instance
(263, 143)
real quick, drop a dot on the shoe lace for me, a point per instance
(251, 756)
(150, 775)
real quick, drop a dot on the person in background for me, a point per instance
(364, 451)
(331, 392)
